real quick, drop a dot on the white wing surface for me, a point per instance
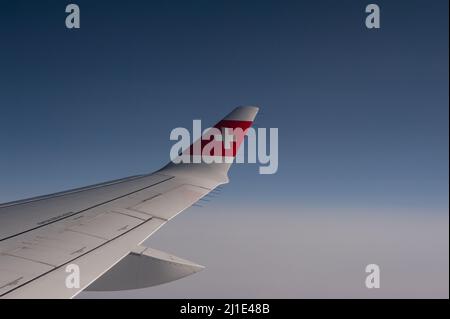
(96, 232)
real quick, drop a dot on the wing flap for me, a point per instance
(142, 268)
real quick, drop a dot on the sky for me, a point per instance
(362, 118)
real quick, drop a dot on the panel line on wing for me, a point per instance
(28, 259)
(81, 211)
(70, 261)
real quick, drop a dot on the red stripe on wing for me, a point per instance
(227, 127)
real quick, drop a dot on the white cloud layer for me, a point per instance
(284, 252)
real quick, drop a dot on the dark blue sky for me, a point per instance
(362, 114)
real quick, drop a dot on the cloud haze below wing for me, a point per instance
(283, 252)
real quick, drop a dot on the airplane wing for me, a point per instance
(96, 232)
